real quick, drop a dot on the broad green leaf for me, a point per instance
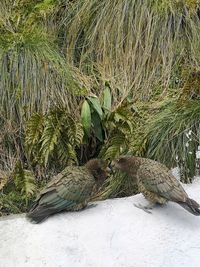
(107, 99)
(96, 105)
(96, 121)
(86, 117)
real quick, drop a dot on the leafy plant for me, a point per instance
(172, 136)
(24, 181)
(53, 136)
(17, 193)
(136, 45)
(70, 73)
(109, 126)
(34, 73)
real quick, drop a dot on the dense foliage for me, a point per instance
(82, 79)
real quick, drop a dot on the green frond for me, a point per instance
(114, 146)
(79, 134)
(172, 136)
(24, 181)
(71, 153)
(65, 152)
(119, 125)
(123, 112)
(34, 129)
(18, 192)
(52, 132)
(53, 136)
(74, 130)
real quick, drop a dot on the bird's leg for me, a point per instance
(91, 206)
(146, 208)
(79, 207)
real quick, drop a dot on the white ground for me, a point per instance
(113, 234)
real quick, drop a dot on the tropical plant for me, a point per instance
(108, 132)
(172, 136)
(136, 45)
(82, 79)
(53, 136)
(34, 74)
(108, 126)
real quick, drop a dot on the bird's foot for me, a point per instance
(91, 206)
(145, 208)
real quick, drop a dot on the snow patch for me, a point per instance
(114, 233)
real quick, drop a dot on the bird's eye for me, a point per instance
(121, 160)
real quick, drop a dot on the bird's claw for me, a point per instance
(144, 208)
(91, 206)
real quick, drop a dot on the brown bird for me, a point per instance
(70, 190)
(156, 182)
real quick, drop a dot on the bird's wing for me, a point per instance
(158, 179)
(69, 188)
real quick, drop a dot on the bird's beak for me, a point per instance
(111, 166)
(108, 169)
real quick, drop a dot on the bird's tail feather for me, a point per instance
(35, 219)
(38, 215)
(191, 205)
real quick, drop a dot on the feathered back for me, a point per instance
(70, 190)
(156, 182)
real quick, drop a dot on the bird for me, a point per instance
(69, 190)
(156, 182)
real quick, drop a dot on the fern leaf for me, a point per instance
(71, 153)
(79, 134)
(123, 112)
(51, 134)
(71, 129)
(114, 146)
(29, 183)
(65, 152)
(126, 127)
(24, 181)
(74, 131)
(34, 130)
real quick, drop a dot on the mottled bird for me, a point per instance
(156, 182)
(70, 190)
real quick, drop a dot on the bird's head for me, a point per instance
(99, 169)
(123, 163)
